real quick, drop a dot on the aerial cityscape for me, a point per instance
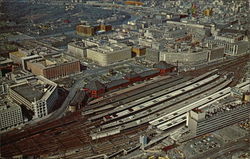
(125, 79)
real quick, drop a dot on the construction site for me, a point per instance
(111, 126)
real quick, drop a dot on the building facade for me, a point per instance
(38, 95)
(10, 116)
(201, 123)
(216, 53)
(79, 49)
(54, 67)
(184, 57)
(105, 55)
(234, 44)
(88, 30)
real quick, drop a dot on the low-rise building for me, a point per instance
(38, 95)
(78, 49)
(215, 52)
(5, 66)
(184, 55)
(138, 51)
(17, 56)
(10, 115)
(90, 30)
(234, 44)
(110, 53)
(54, 66)
(164, 67)
(95, 89)
(201, 122)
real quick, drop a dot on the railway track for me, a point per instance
(158, 97)
(146, 92)
(73, 131)
(161, 108)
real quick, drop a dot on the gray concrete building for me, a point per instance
(19, 76)
(10, 115)
(184, 55)
(38, 95)
(78, 49)
(108, 54)
(215, 52)
(201, 122)
(233, 43)
(152, 55)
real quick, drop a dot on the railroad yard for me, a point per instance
(111, 125)
(85, 79)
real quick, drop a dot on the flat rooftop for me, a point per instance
(6, 104)
(78, 44)
(107, 49)
(30, 92)
(230, 35)
(5, 61)
(54, 60)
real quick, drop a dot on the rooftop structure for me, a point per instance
(132, 76)
(20, 75)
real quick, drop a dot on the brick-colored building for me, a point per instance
(164, 67)
(138, 51)
(132, 76)
(105, 27)
(88, 30)
(95, 89)
(53, 67)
